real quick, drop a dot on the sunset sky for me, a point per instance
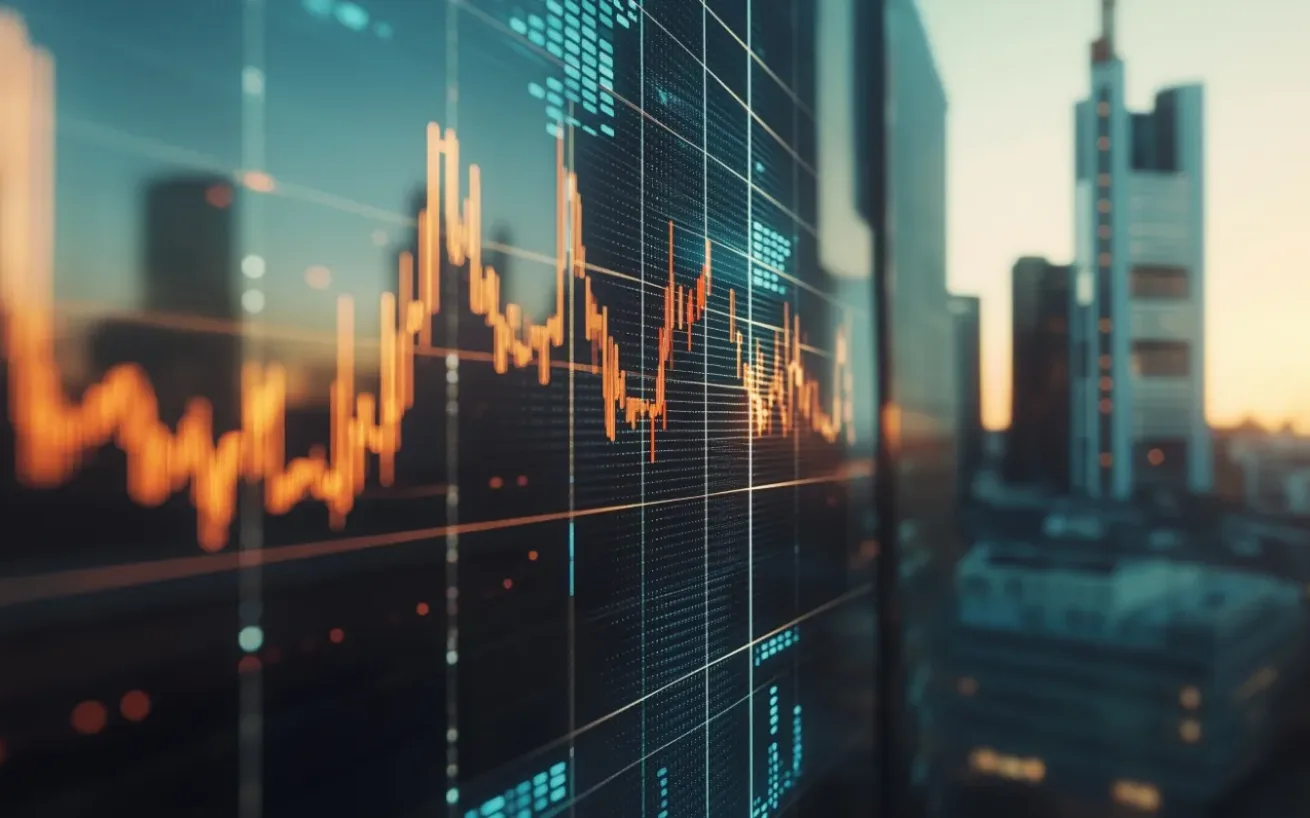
(1013, 70)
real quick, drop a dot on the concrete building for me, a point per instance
(1275, 470)
(1037, 445)
(1137, 327)
(1133, 683)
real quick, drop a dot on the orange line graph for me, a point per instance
(53, 433)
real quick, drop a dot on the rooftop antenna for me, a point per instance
(1107, 24)
(1103, 47)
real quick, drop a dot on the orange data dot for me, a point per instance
(1156, 456)
(508, 583)
(318, 277)
(532, 555)
(219, 196)
(258, 181)
(495, 482)
(522, 481)
(336, 635)
(135, 705)
(422, 609)
(89, 717)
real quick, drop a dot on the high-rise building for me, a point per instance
(1137, 325)
(189, 251)
(922, 328)
(967, 310)
(1037, 443)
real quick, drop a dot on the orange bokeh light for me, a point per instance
(318, 277)
(135, 705)
(422, 609)
(336, 636)
(89, 717)
(219, 196)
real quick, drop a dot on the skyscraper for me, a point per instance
(1037, 443)
(189, 251)
(967, 310)
(1137, 324)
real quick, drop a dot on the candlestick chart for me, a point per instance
(54, 432)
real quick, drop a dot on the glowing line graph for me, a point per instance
(54, 433)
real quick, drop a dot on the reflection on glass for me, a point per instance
(434, 408)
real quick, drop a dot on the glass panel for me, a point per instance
(445, 408)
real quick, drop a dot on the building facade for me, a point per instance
(1139, 684)
(967, 310)
(1037, 444)
(1137, 325)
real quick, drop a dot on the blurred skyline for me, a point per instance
(1013, 70)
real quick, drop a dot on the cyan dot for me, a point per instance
(452, 795)
(251, 638)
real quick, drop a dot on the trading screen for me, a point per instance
(455, 408)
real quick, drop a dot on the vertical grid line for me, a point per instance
(705, 379)
(750, 422)
(250, 691)
(572, 604)
(452, 453)
(641, 229)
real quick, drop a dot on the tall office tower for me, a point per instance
(1037, 443)
(967, 310)
(189, 263)
(190, 243)
(924, 359)
(921, 330)
(1137, 324)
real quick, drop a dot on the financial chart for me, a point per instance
(430, 408)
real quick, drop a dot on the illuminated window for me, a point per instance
(1015, 768)
(1105, 362)
(1107, 383)
(1190, 730)
(1104, 324)
(1155, 457)
(1189, 696)
(1136, 794)
(1158, 281)
(1106, 406)
(1162, 359)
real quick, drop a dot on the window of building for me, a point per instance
(1159, 281)
(1162, 359)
